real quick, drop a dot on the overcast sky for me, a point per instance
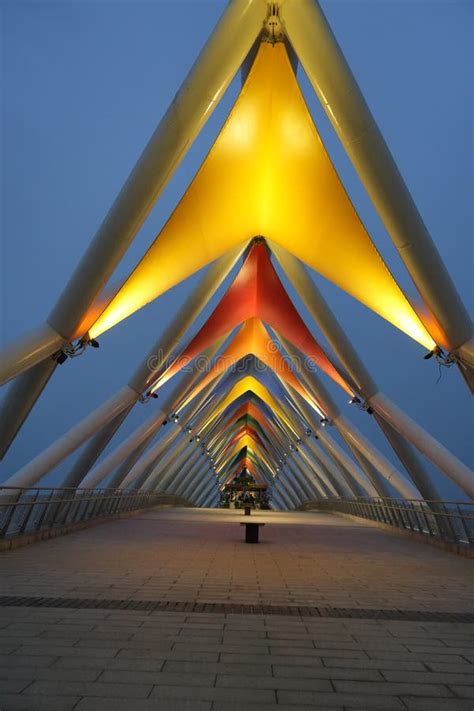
(84, 85)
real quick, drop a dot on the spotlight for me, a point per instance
(155, 395)
(175, 418)
(94, 343)
(354, 400)
(285, 454)
(198, 439)
(60, 357)
(308, 432)
(324, 421)
(189, 430)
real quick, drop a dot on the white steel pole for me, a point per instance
(332, 79)
(192, 487)
(333, 470)
(129, 445)
(286, 484)
(27, 351)
(441, 457)
(149, 458)
(187, 481)
(71, 440)
(308, 478)
(92, 450)
(354, 366)
(158, 357)
(314, 472)
(351, 434)
(166, 452)
(296, 482)
(201, 91)
(20, 398)
(205, 494)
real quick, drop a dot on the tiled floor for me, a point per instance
(99, 659)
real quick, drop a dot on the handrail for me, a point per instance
(451, 521)
(29, 510)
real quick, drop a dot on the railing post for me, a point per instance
(463, 525)
(9, 514)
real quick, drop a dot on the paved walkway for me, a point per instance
(88, 659)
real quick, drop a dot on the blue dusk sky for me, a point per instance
(84, 83)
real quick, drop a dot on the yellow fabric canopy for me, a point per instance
(246, 383)
(252, 338)
(267, 174)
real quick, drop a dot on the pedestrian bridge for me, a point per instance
(255, 394)
(169, 608)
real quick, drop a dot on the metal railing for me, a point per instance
(450, 521)
(25, 511)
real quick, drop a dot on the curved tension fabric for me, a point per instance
(257, 292)
(268, 174)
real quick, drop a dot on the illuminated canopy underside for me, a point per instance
(267, 174)
(257, 292)
(253, 338)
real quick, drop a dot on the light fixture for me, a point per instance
(60, 357)
(175, 418)
(198, 439)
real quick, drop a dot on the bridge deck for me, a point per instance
(211, 656)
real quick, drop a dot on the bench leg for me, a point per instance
(251, 533)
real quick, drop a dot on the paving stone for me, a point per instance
(11, 685)
(218, 668)
(399, 664)
(392, 688)
(244, 705)
(202, 693)
(356, 701)
(23, 702)
(429, 677)
(49, 674)
(432, 704)
(17, 661)
(266, 682)
(466, 692)
(461, 668)
(94, 704)
(305, 672)
(77, 688)
(157, 678)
